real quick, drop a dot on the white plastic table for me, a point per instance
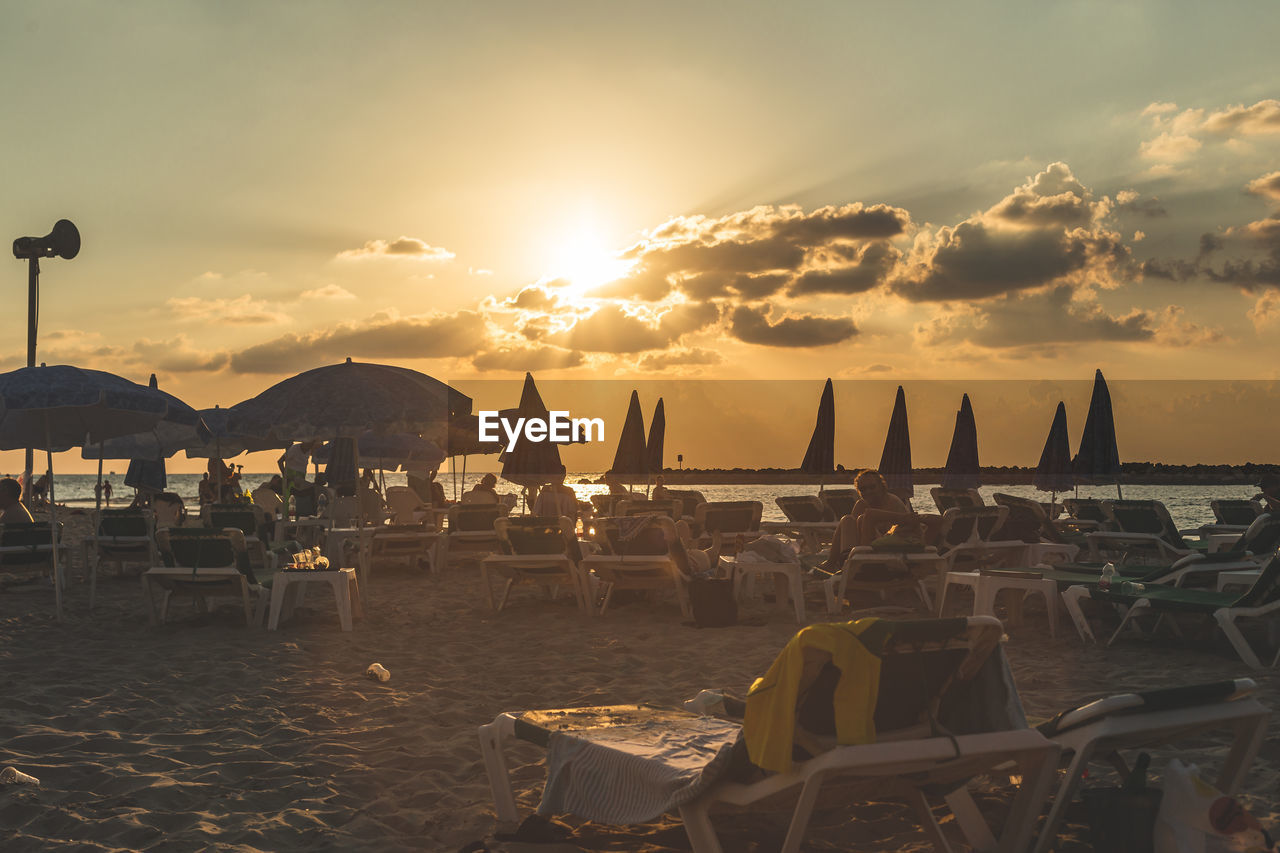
(788, 579)
(346, 593)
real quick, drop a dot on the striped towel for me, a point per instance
(635, 773)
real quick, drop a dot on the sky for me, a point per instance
(895, 192)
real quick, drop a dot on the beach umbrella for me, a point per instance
(895, 459)
(223, 443)
(181, 426)
(962, 471)
(531, 463)
(820, 457)
(345, 400)
(464, 440)
(147, 474)
(1098, 460)
(632, 457)
(657, 437)
(59, 407)
(342, 468)
(390, 451)
(1054, 473)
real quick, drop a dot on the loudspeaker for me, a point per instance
(63, 242)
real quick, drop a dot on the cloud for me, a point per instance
(177, 355)
(382, 336)
(402, 247)
(1168, 148)
(1046, 232)
(855, 270)
(1268, 186)
(1266, 311)
(753, 327)
(329, 291)
(1129, 201)
(612, 329)
(1173, 331)
(1260, 118)
(238, 311)
(679, 358)
(1181, 135)
(526, 359)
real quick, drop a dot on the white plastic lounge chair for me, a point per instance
(122, 536)
(839, 502)
(636, 555)
(206, 564)
(639, 506)
(403, 502)
(807, 520)
(1141, 530)
(249, 519)
(29, 546)
(733, 520)
(920, 739)
(945, 499)
(471, 530)
(1096, 731)
(1029, 522)
(539, 551)
(398, 543)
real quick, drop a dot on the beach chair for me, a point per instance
(639, 506)
(403, 502)
(169, 510)
(1260, 601)
(539, 551)
(206, 564)
(807, 521)
(1235, 513)
(29, 547)
(922, 715)
(1084, 515)
(471, 530)
(1029, 522)
(945, 499)
(883, 570)
(735, 521)
(839, 502)
(689, 500)
(398, 543)
(636, 555)
(603, 505)
(249, 519)
(802, 508)
(1096, 731)
(968, 539)
(120, 536)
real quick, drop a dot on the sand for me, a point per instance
(203, 734)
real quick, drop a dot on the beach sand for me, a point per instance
(203, 734)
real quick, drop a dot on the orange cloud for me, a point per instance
(401, 247)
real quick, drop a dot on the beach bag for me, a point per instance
(772, 549)
(713, 602)
(1196, 817)
(1121, 819)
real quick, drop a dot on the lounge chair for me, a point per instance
(539, 551)
(912, 734)
(689, 500)
(29, 546)
(401, 543)
(945, 499)
(207, 564)
(1096, 731)
(1029, 522)
(249, 519)
(603, 505)
(639, 506)
(1261, 600)
(169, 510)
(121, 536)
(1084, 515)
(471, 530)
(807, 521)
(734, 520)
(839, 502)
(636, 554)
(403, 502)
(802, 508)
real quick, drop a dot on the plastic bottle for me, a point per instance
(14, 776)
(322, 504)
(377, 672)
(1108, 576)
(293, 508)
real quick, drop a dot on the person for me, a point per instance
(615, 485)
(660, 490)
(97, 492)
(1270, 495)
(876, 510)
(371, 503)
(267, 496)
(557, 499)
(39, 490)
(437, 489)
(483, 492)
(106, 491)
(12, 509)
(219, 474)
(206, 492)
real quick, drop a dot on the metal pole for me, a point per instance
(33, 298)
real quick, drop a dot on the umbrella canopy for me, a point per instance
(962, 459)
(820, 457)
(1098, 460)
(632, 456)
(345, 400)
(223, 443)
(464, 435)
(531, 463)
(180, 427)
(147, 474)
(342, 468)
(1054, 473)
(895, 459)
(389, 451)
(59, 407)
(657, 437)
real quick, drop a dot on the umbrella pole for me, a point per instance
(464, 477)
(97, 491)
(53, 524)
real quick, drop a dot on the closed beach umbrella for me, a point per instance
(531, 463)
(657, 437)
(895, 459)
(1054, 473)
(962, 471)
(342, 469)
(1098, 460)
(147, 474)
(631, 461)
(60, 407)
(820, 456)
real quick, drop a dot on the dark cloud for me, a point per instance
(526, 359)
(679, 358)
(1128, 201)
(380, 337)
(713, 285)
(871, 266)
(178, 356)
(1033, 320)
(753, 327)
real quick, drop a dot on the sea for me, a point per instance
(1187, 505)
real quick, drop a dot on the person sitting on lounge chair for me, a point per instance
(660, 490)
(483, 492)
(1270, 495)
(12, 509)
(875, 511)
(557, 499)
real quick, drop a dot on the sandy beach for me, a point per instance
(203, 734)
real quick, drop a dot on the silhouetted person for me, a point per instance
(12, 509)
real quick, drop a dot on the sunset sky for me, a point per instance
(861, 190)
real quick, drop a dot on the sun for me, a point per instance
(581, 259)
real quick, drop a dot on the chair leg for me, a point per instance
(1071, 601)
(148, 594)
(1062, 798)
(928, 823)
(1227, 622)
(488, 587)
(698, 826)
(353, 591)
(244, 597)
(492, 738)
(342, 597)
(608, 594)
(1248, 740)
(970, 820)
(803, 811)
(506, 591)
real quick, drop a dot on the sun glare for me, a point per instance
(582, 260)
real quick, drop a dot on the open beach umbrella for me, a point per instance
(820, 456)
(631, 460)
(895, 459)
(180, 427)
(531, 463)
(464, 440)
(1054, 473)
(223, 443)
(59, 407)
(962, 471)
(657, 438)
(1098, 460)
(389, 451)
